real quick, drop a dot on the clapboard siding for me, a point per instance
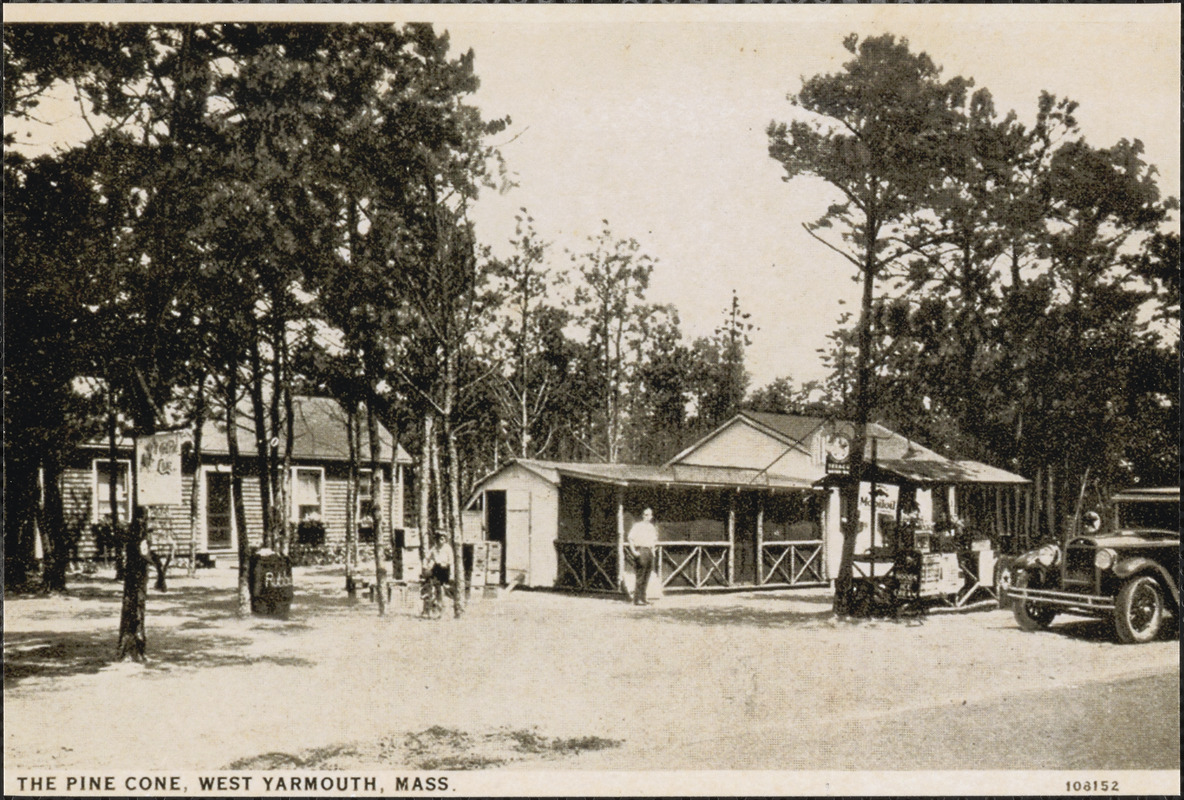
(78, 478)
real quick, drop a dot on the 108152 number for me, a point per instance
(1091, 786)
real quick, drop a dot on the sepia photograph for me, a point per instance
(556, 400)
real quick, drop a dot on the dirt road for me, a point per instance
(733, 681)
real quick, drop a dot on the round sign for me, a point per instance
(838, 447)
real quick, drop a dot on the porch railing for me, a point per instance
(693, 565)
(791, 563)
(587, 566)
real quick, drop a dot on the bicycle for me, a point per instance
(432, 595)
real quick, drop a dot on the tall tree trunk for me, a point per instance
(289, 439)
(113, 483)
(1052, 505)
(355, 443)
(452, 500)
(279, 378)
(57, 555)
(440, 517)
(22, 504)
(425, 482)
(133, 639)
(261, 438)
(236, 492)
(351, 494)
(376, 506)
(199, 419)
(850, 488)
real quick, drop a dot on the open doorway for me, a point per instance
(495, 525)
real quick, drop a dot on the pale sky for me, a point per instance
(654, 118)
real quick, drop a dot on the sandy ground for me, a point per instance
(757, 680)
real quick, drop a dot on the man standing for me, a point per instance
(643, 536)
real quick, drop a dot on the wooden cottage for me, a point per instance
(564, 524)
(319, 481)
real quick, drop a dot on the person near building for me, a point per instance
(643, 537)
(438, 566)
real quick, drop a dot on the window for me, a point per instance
(365, 509)
(306, 493)
(101, 490)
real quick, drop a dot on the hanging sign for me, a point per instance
(158, 469)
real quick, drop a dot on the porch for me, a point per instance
(711, 537)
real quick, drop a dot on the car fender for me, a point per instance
(1131, 566)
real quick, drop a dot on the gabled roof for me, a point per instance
(319, 434)
(789, 426)
(792, 431)
(795, 432)
(893, 453)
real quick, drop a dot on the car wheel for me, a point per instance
(1028, 615)
(1138, 611)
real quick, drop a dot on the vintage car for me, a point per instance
(1128, 571)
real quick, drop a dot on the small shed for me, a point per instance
(563, 524)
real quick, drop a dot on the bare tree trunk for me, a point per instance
(355, 444)
(425, 483)
(440, 520)
(376, 506)
(351, 499)
(113, 483)
(57, 539)
(289, 438)
(279, 382)
(1052, 505)
(199, 418)
(133, 641)
(850, 489)
(261, 438)
(236, 493)
(455, 521)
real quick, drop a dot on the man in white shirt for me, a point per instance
(439, 560)
(643, 536)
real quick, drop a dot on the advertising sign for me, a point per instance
(158, 468)
(887, 495)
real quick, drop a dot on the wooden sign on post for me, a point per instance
(158, 469)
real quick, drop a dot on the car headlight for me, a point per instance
(1105, 558)
(1049, 555)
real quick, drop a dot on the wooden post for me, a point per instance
(620, 537)
(760, 540)
(999, 521)
(1027, 520)
(731, 539)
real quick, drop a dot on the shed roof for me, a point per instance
(947, 471)
(668, 475)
